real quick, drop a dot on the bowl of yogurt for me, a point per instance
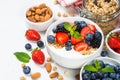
(72, 41)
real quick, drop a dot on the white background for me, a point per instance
(12, 39)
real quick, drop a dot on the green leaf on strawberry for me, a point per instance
(22, 56)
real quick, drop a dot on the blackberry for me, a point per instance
(60, 28)
(95, 43)
(77, 23)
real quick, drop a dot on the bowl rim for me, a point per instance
(38, 23)
(74, 18)
(106, 41)
(99, 58)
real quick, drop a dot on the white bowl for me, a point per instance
(111, 52)
(39, 26)
(106, 60)
(70, 59)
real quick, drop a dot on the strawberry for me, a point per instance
(80, 46)
(38, 56)
(76, 40)
(61, 37)
(92, 27)
(118, 51)
(32, 35)
(85, 31)
(114, 42)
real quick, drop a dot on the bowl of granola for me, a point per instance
(39, 17)
(73, 40)
(112, 42)
(101, 68)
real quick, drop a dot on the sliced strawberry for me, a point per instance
(114, 42)
(92, 27)
(80, 46)
(85, 31)
(61, 37)
(76, 40)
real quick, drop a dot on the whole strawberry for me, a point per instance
(38, 56)
(32, 35)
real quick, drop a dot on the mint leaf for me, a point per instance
(67, 26)
(71, 32)
(22, 56)
(76, 34)
(97, 64)
(74, 28)
(108, 69)
(90, 68)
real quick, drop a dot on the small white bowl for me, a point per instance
(39, 26)
(104, 59)
(71, 59)
(112, 53)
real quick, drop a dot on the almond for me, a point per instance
(48, 67)
(35, 75)
(53, 75)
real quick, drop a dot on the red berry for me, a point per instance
(38, 56)
(76, 40)
(81, 46)
(32, 35)
(114, 42)
(61, 37)
(92, 27)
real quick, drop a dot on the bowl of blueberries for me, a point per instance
(73, 40)
(101, 68)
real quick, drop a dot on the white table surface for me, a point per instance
(12, 39)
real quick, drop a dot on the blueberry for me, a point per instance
(112, 75)
(68, 43)
(86, 76)
(77, 23)
(105, 75)
(117, 69)
(89, 37)
(117, 76)
(93, 76)
(28, 46)
(107, 79)
(54, 30)
(83, 24)
(40, 44)
(104, 53)
(68, 48)
(98, 36)
(26, 69)
(101, 64)
(51, 39)
(99, 74)
(61, 25)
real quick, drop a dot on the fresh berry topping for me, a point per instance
(85, 31)
(92, 27)
(104, 53)
(76, 40)
(51, 39)
(89, 37)
(77, 23)
(38, 56)
(28, 46)
(32, 35)
(81, 46)
(61, 37)
(60, 28)
(83, 24)
(95, 43)
(40, 44)
(68, 43)
(68, 48)
(117, 50)
(26, 70)
(98, 36)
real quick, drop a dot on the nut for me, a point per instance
(49, 59)
(35, 75)
(22, 78)
(60, 77)
(53, 75)
(77, 76)
(39, 13)
(54, 68)
(48, 67)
